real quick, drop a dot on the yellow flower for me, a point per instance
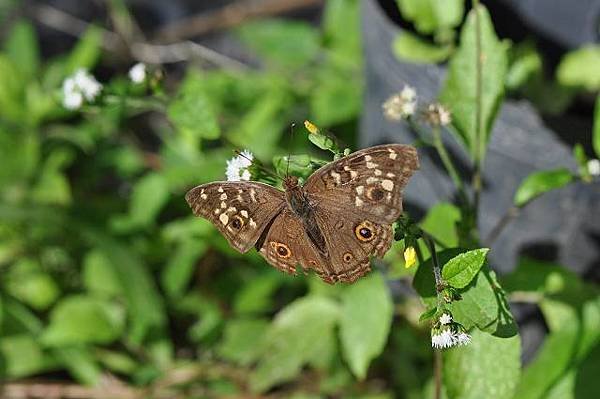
(311, 127)
(410, 257)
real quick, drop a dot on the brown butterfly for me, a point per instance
(333, 224)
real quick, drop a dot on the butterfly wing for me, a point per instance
(240, 210)
(285, 245)
(368, 182)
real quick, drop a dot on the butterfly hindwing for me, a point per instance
(240, 210)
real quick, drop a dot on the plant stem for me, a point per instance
(437, 372)
(445, 157)
(478, 153)
(510, 214)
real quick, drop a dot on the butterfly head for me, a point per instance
(290, 183)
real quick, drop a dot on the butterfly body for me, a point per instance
(332, 224)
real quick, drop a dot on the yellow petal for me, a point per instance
(311, 127)
(410, 257)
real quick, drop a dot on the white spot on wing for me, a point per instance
(220, 189)
(367, 158)
(358, 201)
(393, 155)
(224, 218)
(223, 204)
(252, 223)
(371, 165)
(390, 175)
(337, 177)
(377, 172)
(371, 180)
(203, 196)
(253, 195)
(223, 197)
(387, 185)
(360, 190)
(353, 174)
(244, 213)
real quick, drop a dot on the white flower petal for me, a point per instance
(445, 319)
(593, 167)
(137, 73)
(73, 100)
(463, 338)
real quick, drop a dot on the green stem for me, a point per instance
(478, 153)
(445, 157)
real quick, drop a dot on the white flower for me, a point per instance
(463, 338)
(78, 87)
(408, 93)
(593, 167)
(445, 319)
(438, 115)
(137, 73)
(401, 105)
(443, 339)
(237, 167)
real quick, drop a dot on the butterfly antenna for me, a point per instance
(287, 170)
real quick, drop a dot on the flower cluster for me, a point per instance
(446, 333)
(437, 115)
(401, 105)
(238, 167)
(593, 167)
(137, 73)
(79, 87)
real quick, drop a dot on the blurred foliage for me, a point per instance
(105, 273)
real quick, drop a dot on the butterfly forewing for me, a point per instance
(240, 210)
(368, 182)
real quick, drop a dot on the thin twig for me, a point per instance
(447, 162)
(510, 214)
(478, 110)
(229, 16)
(140, 51)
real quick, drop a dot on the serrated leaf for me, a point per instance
(579, 68)
(290, 340)
(489, 367)
(367, 311)
(460, 91)
(82, 319)
(409, 47)
(460, 270)
(478, 306)
(541, 182)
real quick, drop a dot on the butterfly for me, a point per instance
(333, 224)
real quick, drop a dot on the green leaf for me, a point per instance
(441, 221)
(460, 92)
(82, 319)
(119, 362)
(596, 131)
(365, 323)
(541, 182)
(341, 29)
(300, 46)
(193, 111)
(53, 186)
(242, 340)
(149, 196)
(290, 340)
(22, 49)
(30, 284)
(489, 367)
(478, 306)
(257, 294)
(336, 97)
(99, 276)
(179, 270)
(86, 52)
(428, 314)
(409, 47)
(80, 363)
(11, 91)
(525, 65)
(424, 282)
(430, 16)
(460, 270)
(21, 356)
(579, 68)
